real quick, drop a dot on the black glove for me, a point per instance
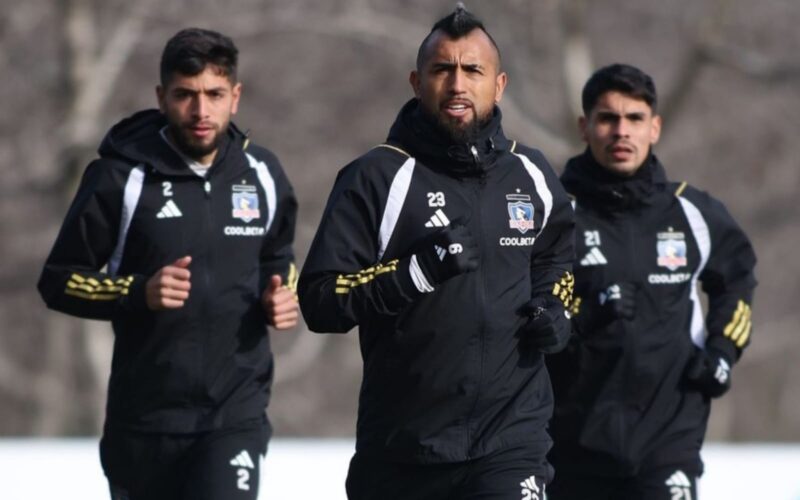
(618, 301)
(709, 371)
(447, 253)
(548, 327)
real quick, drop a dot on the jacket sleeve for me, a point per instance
(553, 250)
(728, 279)
(343, 283)
(277, 254)
(72, 280)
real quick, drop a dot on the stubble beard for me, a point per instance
(194, 149)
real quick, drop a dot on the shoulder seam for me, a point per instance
(394, 148)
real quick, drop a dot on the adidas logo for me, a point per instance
(722, 372)
(594, 258)
(441, 252)
(678, 478)
(680, 487)
(243, 460)
(438, 219)
(169, 210)
(530, 490)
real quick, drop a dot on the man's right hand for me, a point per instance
(448, 253)
(169, 287)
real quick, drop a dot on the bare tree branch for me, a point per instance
(751, 63)
(672, 102)
(93, 75)
(577, 63)
(710, 46)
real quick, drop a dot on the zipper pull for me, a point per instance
(475, 157)
(207, 187)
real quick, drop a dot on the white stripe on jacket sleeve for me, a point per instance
(703, 238)
(133, 191)
(394, 204)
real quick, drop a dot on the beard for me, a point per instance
(459, 132)
(194, 148)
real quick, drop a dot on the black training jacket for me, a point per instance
(446, 376)
(139, 207)
(621, 399)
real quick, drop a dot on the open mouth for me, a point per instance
(457, 108)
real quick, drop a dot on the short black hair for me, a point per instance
(623, 78)
(457, 24)
(190, 50)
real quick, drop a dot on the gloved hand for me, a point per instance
(448, 253)
(548, 327)
(618, 301)
(709, 371)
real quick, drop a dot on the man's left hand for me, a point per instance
(280, 304)
(548, 328)
(710, 372)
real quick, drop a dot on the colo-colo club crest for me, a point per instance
(245, 202)
(520, 212)
(671, 248)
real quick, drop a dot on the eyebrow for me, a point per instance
(614, 114)
(453, 65)
(195, 91)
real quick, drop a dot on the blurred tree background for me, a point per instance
(322, 83)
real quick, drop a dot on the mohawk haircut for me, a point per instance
(623, 78)
(190, 50)
(455, 25)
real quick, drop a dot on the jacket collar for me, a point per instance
(417, 133)
(137, 139)
(591, 183)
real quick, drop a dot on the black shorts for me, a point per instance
(668, 482)
(512, 474)
(218, 465)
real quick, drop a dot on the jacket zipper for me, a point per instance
(481, 280)
(630, 337)
(207, 278)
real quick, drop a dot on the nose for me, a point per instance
(621, 128)
(457, 82)
(200, 106)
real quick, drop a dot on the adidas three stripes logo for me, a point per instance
(169, 210)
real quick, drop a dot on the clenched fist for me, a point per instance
(280, 304)
(169, 287)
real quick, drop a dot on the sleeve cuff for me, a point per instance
(418, 277)
(136, 299)
(724, 346)
(407, 280)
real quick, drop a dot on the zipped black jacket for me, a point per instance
(622, 401)
(139, 207)
(446, 375)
